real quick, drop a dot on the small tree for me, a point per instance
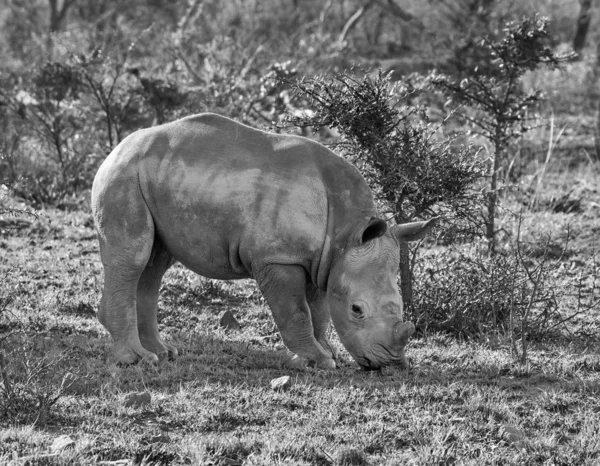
(45, 106)
(493, 90)
(412, 172)
(114, 91)
(75, 110)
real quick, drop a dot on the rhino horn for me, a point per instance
(413, 231)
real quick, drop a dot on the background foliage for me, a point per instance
(409, 91)
(79, 76)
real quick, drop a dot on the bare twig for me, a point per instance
(353, 20)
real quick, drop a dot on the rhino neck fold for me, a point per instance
(324, 264)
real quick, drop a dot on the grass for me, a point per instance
(460, 402)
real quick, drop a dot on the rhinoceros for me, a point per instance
(229, 202)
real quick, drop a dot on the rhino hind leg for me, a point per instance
(117, 314)
(284, 288)
(147, 302)
(126, 236)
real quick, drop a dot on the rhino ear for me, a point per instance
(374, 229)
(413, 231)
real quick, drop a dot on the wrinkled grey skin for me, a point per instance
(229, 201)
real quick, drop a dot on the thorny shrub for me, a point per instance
(413, 171)
(30, 385)
(524, 294)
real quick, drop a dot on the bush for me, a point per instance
(412, 170)
(30, 385)
(491, 88)
(461, 292)
(521, 292)
(70, 107)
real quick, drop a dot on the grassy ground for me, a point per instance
(459, 403)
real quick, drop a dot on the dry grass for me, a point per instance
(459, 403)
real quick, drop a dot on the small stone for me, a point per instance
(160, 438)
(61, 443)
(137, 399)
(74, 385)
(513, 434)
(228, 321)
(281, 384)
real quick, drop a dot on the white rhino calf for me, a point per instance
(229, 201)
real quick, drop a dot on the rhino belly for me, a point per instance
(201, 235)
(222, 224)
(207, 254)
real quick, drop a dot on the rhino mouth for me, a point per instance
(379, 357)
(367, 365)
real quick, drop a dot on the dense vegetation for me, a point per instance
(477, 111)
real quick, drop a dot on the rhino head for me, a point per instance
(364, 300)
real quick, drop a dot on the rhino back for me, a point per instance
(227, 198)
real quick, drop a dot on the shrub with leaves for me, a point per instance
(51, 121)
(112, 97)
(414, 172)
(71, 113)
(491, 98)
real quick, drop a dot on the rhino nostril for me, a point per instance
(403, 331)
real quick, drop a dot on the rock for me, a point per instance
(281, 384)
(74, 385)
(228, 321)
(137, 399)
(160, 438)
(61, 443)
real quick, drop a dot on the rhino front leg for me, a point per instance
(284, 288)
(321, 319)
(147, 303)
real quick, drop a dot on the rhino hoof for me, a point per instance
(297, 362)
(326, 364)
(150, 358)
(170, 354)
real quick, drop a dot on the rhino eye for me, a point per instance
(357, 311)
